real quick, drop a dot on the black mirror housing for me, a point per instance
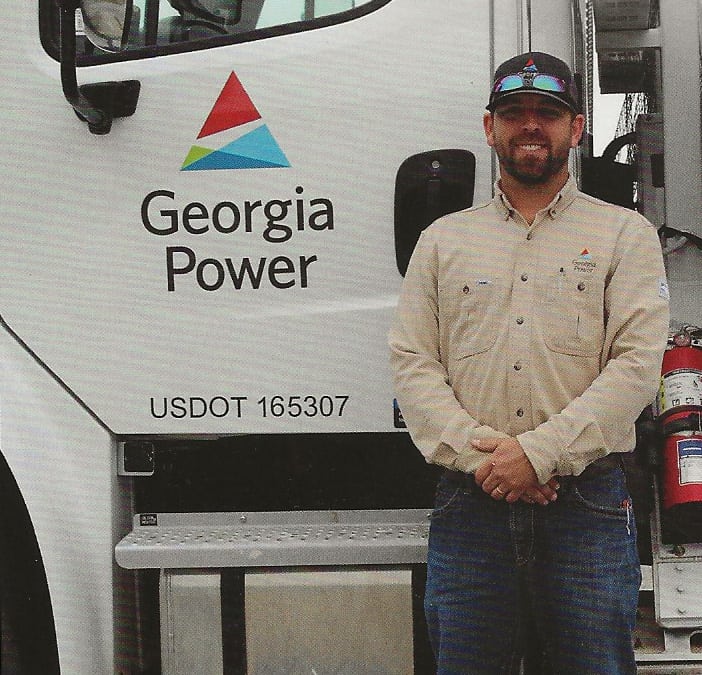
(107, 26)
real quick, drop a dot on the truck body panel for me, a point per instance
(194, 306)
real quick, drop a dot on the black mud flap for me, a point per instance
(429, 185)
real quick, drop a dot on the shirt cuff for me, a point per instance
(544, 456)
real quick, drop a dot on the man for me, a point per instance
(527, 340)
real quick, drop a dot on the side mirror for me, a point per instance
(106, 24)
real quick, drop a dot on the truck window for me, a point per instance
(167, 26)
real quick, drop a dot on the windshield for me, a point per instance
(167, 26)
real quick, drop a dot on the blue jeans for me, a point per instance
(498, 574)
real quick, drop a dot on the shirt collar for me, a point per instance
(560, 202)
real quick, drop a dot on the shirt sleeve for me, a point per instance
(637, 323)
(439, 426)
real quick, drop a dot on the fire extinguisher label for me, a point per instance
(690, 460)
(679, 388)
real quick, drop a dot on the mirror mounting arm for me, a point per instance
(95, 104)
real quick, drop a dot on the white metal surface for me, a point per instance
(670, 634)
(680, 592)
(682, 132)
(63, 463)
(191, 623)
(199, 540)
(85, 293)
(86, 280)
(343, 621)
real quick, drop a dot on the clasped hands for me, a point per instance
(508, 474)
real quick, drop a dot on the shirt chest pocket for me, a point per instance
(573, 319)
(476, 327)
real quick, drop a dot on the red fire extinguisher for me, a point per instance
(679, 410)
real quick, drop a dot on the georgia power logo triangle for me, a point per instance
(248, 143)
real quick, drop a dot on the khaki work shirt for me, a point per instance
(551, 333)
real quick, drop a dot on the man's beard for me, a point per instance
(532, 170)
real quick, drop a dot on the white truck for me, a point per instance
(207, 209)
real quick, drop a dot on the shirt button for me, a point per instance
(520, 320)
(525, 277)
(518, 365)
(520, 412)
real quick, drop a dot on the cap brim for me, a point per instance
(529, 90)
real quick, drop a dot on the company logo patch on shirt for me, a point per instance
(475, 285)
(584, 262)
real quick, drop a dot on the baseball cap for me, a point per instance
(534, 73)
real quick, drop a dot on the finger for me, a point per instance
(485, 444)
(548, 494)
(535, 497)
(513, 496)
(550, 489)
(482, 472)
(490, 484)
(543, 494)
(498, 493)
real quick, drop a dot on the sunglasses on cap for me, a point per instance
(530, 81)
